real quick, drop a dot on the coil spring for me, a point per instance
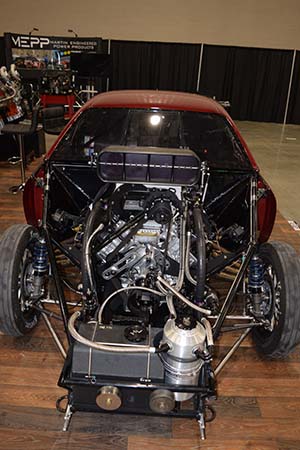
(40, 257)
(256, 273)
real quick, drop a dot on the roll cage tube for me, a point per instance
(245, 261)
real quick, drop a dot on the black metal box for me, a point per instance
(88, 362)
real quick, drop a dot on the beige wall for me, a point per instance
(255, 23)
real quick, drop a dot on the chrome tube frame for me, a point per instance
(246, 259)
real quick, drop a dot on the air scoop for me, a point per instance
(152, 165)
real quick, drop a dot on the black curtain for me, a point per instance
(293, 115)
(2, 52)
(133, 64)
(154, 65)
(177, 66)
(254, 80)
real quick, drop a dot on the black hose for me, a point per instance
(201, 255)
(58, 404)
(212, 412)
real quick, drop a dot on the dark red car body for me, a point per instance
(143, 99)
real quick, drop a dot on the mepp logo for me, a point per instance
(30, 41)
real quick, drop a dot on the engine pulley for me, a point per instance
(162, 401)
(109, 398)
(163, 213)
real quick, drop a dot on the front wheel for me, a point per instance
(281, 300)
(17, 317)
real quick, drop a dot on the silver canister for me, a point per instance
(182, 367)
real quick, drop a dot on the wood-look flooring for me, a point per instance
(258, 406)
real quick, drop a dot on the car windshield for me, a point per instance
(210, 136)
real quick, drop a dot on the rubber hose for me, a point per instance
(201, 255)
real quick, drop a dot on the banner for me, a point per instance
(46, 52)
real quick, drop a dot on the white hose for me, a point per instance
(107, 347)
(170, 305)
(14, 73)
(181, 297)
(10, 97)
(209, 334)
(87, 253)
(4, 73)
(187, 262)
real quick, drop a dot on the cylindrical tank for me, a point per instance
(182, 367)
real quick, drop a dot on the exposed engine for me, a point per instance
(134, 256)
(11, 102)
(153, 245)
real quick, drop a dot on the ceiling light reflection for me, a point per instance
(155, 119)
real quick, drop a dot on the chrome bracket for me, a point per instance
(68, 417)
(201, 423)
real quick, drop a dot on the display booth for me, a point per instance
(47, 71)
(45, 62)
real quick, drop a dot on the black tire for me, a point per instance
(15, 250)
(282, 275)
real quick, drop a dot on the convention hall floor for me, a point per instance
(277, 152)
(259, 401)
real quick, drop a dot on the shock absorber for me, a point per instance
(255, 283)
(40, 266)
